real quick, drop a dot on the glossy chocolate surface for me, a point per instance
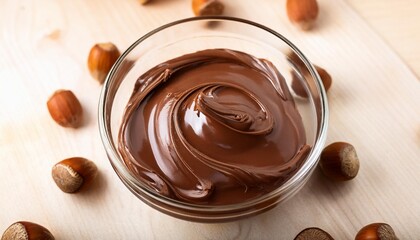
(212, 127)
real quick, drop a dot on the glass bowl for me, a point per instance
(191, 35)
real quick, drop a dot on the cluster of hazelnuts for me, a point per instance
(338, 161)
(74, 174)
(374, 231)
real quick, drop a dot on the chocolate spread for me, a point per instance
(213, 127)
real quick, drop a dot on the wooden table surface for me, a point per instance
(369, 47)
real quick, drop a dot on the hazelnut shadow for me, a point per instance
(97, 188)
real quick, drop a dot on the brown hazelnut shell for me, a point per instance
(102, 57)
(27, 231)
(302, 13)
(73, 174)
(376, 231)
(339, 161)
(313, 233)
(207, 7)
(65, 108)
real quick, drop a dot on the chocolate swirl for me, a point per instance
(212, 127)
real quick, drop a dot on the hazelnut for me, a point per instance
(303, 13)
(65, 108)
(339, 161)
(101, 58)
(297, 87)
(72, 174)
(376, 231)
(26, 231)
(313, 234)
(325, 77)
(207, 7)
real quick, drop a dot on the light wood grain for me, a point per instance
(374, 104)
(397, 22)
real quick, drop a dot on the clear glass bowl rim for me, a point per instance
(122, 172)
